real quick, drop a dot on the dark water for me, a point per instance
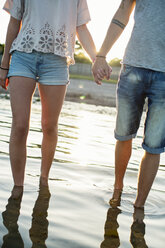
(74, 212)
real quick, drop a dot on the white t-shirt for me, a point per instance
(48, 26)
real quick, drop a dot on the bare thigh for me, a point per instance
(21, 92)
(52, 98)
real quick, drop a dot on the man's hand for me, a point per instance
(3, 78)
(101, 70)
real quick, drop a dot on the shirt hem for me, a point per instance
(10, 13)
(83, 22)
(142, 66)
(70, 60)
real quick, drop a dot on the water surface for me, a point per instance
(74, 212)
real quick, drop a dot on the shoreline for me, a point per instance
(90, 100)
(86, 91)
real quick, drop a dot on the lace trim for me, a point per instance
(28, 39)
(47, 42)
(61, 41)
(46, 38)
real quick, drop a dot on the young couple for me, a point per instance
(40, 41)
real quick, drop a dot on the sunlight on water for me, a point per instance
(74, 212)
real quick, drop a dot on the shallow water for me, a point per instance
(75, 213)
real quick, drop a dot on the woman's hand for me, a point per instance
(101, 70)
(12, 32)
(3, 78)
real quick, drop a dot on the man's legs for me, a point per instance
(122, 155)
(147, 172)
(154, 135)
(130, 101)
(130, 96)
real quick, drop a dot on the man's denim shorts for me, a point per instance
(46, 68)
(135, 85)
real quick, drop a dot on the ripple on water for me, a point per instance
(154, 207)
(81, 179)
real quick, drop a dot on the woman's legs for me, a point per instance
(21, 92)
(52, 98)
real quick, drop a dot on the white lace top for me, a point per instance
(48, 26)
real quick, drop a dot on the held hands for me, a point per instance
(3, 78)
(101, 70)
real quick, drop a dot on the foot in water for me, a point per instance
(138, 215)
(116, 198)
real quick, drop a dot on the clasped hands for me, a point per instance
(101, 70)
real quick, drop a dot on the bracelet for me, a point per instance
(101, 56)
(5, 69)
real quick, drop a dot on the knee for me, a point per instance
(151, 155)
(20, 128)
(49, 129)
(125, 142)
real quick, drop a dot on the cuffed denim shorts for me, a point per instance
(45, 68)
(134, 86)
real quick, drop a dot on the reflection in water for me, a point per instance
(138, 229)
(39, 229)
(137, 235)
(10, 217)
(111, 237)
(78, 143)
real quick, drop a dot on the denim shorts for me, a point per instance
(134, 86)
(45, 68)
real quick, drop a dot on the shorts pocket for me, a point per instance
(126, 69)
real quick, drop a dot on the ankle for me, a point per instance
(118, 186)
(43, 181)
(139, 204)
(18, 184)
(17, 192)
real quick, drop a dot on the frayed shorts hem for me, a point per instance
(124, 138)
(20, 75)
(55, 82)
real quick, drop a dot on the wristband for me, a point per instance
(5, 69)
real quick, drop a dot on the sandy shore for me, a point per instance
(86, 91)
(89, 92)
